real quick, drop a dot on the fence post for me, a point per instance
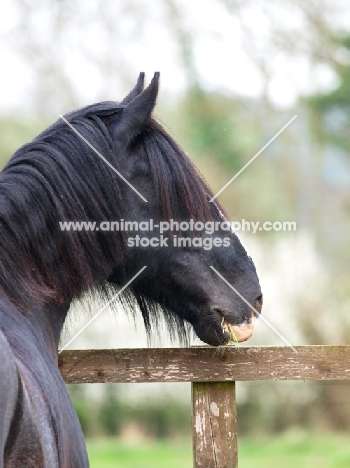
(214, 425)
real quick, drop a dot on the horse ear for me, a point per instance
(137, 113)
(136, 91)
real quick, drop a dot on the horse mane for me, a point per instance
(58, 177)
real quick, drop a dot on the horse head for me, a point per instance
(203, 276)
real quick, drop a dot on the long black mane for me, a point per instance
(58, 177)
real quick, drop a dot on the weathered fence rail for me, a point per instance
(213, 373)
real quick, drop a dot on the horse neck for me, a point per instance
(47, 324)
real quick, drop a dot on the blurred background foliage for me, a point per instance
(233, 73)
(145, 419)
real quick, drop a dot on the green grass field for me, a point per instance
(289, 450)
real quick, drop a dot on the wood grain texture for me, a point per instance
(206, 364)
(214, 420)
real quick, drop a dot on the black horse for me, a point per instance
(58, 177)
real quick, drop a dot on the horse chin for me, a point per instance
(212, 334)
(216, 338)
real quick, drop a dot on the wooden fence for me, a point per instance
(213, 373)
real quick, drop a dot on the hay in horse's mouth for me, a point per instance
(226, 327)
(238, 333)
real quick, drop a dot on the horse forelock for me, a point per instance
(181, 190)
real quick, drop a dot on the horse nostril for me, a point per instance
(258, 303)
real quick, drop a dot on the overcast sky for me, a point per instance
(220, 53)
